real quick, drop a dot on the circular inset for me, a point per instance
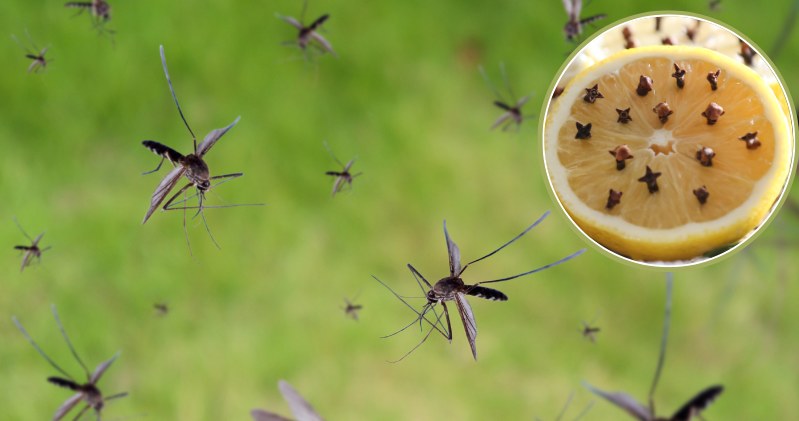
(668, 140)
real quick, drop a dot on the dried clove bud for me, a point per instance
(712, 113)
(614, 198)
(705, 156)
(556, 93)
(713, 78)
(701, 194)
(747, 53)
(644, 85)
(592, 94)
(621, 153)
(583, 131)
(650, 178)
(752, 142)
(624, 116)
(679, 74)
(668, 41)
(663, 111)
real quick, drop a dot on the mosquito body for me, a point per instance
(688, 411)
(36, 55)
(302, 410)
(574, 26)
(351, 309)
(87, 392)
(33, 251)
(512, 114)
(308, 34)
(99, 9)
(589, 332)
(453, 288)
(344, 176)
(161, 308)
(192, 166)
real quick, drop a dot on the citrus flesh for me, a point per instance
(672, 223)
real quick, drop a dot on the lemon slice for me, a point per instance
(658, 172)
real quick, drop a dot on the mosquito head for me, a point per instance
(431, 297)
(204, 185)
(103, 10)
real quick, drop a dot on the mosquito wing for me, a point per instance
(301, 409)
(98, 372)
(291, 21)
(261, 415)
(212, 137)
(26, 260)
(467, 317)
(623, 401)
(572, 7)
(697, 404)
(324, 43)
(163, 189)
(454, 254)
(67, 406)
(337, 185)
(501, 120)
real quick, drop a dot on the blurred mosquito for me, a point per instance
(574, 27)
(589, 331)
(688, 411)
(192, 166)
(566, 408)
(87, 392)
(36, 55)
(342, 177)
(32, 251)
(351, 309)
(161, 308)
(513, 113)
(308, 34)
(100, 11)
(453, 288)
(302, 410)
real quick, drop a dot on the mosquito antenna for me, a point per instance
(569, 257)
(506, 81)
(409, 324)
(417, 276)
(207, 228)
(33, 44)
(23, 231)
(38, 349)
(490, 84)
(665, 339)
(506, 244)
(172, 90)
(69, 343)
(410, 306)
(302, 15)
(585, 410)
(420, 342)
(565, 407)
(185, 230)
(332, 154)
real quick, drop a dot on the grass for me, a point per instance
(407, 99)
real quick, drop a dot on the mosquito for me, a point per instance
(453, 288)
(513, 113)
(342, 177)
(38, 61)
(688, 411)
(574, 27)
(589, 331)
(32, 251)
(301, 409)
(87, 392)
(566, 407)
(351, 309)
(192, 166)
(99, 9)
(161, 308)
(308, 34)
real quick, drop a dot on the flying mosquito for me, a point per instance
(342, 177)
(301, 409)
(192, 166)
(351, 309)
(513, 113)
(453, 288)
(162, 309)
(87, 392)
(688, 411)
(308, 34)
(99, 9)
(38, 61)
(589, 331)
(574, 27)
(566, 408)
(32, 251)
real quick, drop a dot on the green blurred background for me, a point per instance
(406, 98)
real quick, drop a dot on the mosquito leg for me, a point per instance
(83, 411)
(23, 231)
(331, 154)
(408, 305)
(69, 343)
(449, 326)
(39, 350)
(202, 214)
(420, 342)
(175, 196)
(186, 231)
(156, 168)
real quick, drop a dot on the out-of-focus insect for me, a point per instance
(310, 33)
(344, 176)
(566, 407)
(574, 26)
(688, 411)
(512, 113)
(453, 288)
(33, 251)
(36, 55)
(714, 5)
(161, 308)
(100, 11)
(589, 331)
(351, 309)
(87, 392)
(192, 166)
(302, 410)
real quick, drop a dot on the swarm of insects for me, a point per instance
(512, 113)
(87, 392)
(302, 410)
(453, 288)
(343, 176)
(688, 411)
(192, 166)
(36, 55)
(33, 251)
(574, 26)
(308, 35)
